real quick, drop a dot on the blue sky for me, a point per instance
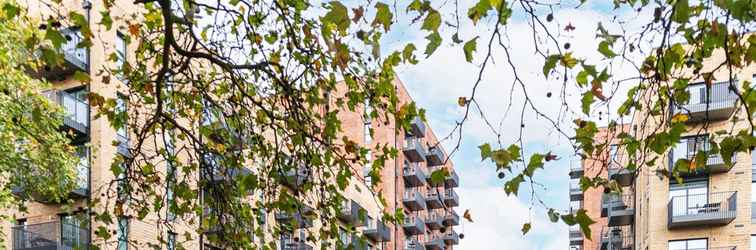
(438, 81)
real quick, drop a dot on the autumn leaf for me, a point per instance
(679, 117)
(134, 29)
(461, 101)
(467, 216)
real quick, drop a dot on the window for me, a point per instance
(122, 112)
(689, 197)
(82, 168)
(575, 206)
(688, 244)
(121, 48)
(753, 241)
(613, 153)
(366, 132)
(123, 233)
(367, 121)
(171, 243)
(169, 195)
(74, 231)
(753, 186)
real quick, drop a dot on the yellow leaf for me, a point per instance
(679, 117)
(467, 215)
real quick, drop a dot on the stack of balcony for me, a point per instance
(50, 236)
(617, 238)
(377, 231)
(434, 219)
(708, 209)
(351, 213)
(413, 225)
(413, 199)
(714, 103)
(435, 241)
(620, 209)
(296, 219)
(76, 117)
(450, 198)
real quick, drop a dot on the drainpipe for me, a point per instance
(87, 6)
(396, 181)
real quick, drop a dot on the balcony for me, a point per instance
(617, 238)
(81, 185)
(295, 219)
(620, 209)
(450, 198)
(417, 127)
(451, 237)
(377, 231)
(354, 242)
(414, 149)
(351, 212)
(215, 172)
(414, 200)
(576, 236)
(451, 218)
(123, 146)
(413, 175)
(74, 58)
(76, 117)
(296, 177)
(576, 193)
(431, 170)
(435, 242)
(435, 156)
(576, 169)
(434, 220)
(55, 235)
(687, 148)
(452, 180)
(413, 244)
(713, 103)
(433, 199)
(413, 225)
(620, 174)
(711, 209)
(294, 244)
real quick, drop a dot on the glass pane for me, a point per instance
(677, 245)
(697, 244)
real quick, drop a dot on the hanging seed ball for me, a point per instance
(442, 230)
(548, 94)
(567, 46)
(461, 236)
(501, 175)
(550, 17)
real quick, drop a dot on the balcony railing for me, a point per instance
(617, 238)
(575, 235)
(414, 149)
(413, 225)
(413, 175)
(576, 193)
(620, 209)
(74, 58)
(452, 180)
(295, 219)
(433, 199)
(434, 219)
(710, 209)
(291, 244)
(435, 241)
(413, 244)
(695, 145)
(451, 218)
(619, 173)
(450, 198)
(436, 156)
(414, 200)
(50, 236)
(77, 111)
(713, 103)
(451, 237)
(377, 231)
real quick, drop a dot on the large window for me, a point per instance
(689, 197)
(122, 110)
(171, 242)
(123, 233)
(74, 231)
(120, 46)
(694, 244)
(753, 241)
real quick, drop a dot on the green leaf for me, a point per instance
(439, 176)
(485, 151)
(582, 78)
(568, 61)
(338, 17)
(536, 161)
(408, 53)
(586, 102)
(553, 215)
(514, 152)
(11, 10)
(584, 221)
(469, 48)
(81, 77)
(106, 20)
(383, 17)
(434, 40)
(604, 49)
(550, 64)
(432, 21)
(513, 185)
(525, 228)
(681, 12)
(479, 11)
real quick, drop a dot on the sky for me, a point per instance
(436, 83)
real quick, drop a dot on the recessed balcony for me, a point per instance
(707, 209)
(55, 235)
(351, 212)
(451, 199)
(413, 175)
(81, 179)
(413, 199)
(708, 103)
(414, 149)
(434, 220)
(620, 209)
(417, 127)
(413, 225)
(435, 156)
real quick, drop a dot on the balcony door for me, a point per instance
(74, 231)
(697, 94)
(688, 198)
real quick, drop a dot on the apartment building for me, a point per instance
(713, 207)
(429, 216)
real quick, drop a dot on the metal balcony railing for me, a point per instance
(414, 149)
(414, 199)
(433, 199)
(620, 209)
(576, 169)
(435, 241)
(452, 180)
(378, 231)
(688, 148)
(413, 225)
(50, 236)
(451, 199)
(617, 238)
(715, 102)
(434, 219)
(575, 235)
(709, 209)
(418, 127)
(621, 174)
(413, 244)
(576, 192)
(451, 237)
(436, 156)
(451, 218)
(351, 213)
(77, 111)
